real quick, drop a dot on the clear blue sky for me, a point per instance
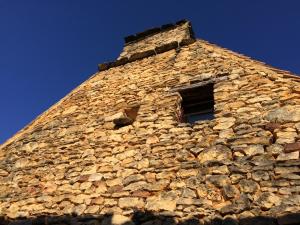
(48, 47)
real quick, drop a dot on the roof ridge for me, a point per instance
(43, 114)
(285, 73)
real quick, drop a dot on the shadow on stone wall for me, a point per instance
(148, 218)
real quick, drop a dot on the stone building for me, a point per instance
(175, 131)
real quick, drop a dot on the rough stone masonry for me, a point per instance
(116, 146)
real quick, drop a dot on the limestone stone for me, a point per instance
(227, 133)
(252, 150)
(100, 187)
(281, 170)
(157, 204)
(217, 153)
(268, 200)
(89, 170)
(144, 163)
(131, 203)
(201, 191)
(152, 140)
(189, 201)
(224, 123)
(79, 209)
(95, 177)
(70, 110)
(136, 186)
(85, 185)
(238, 205)
(114, 182)
(220, 170)
(133, 178)
(98, 201)
(253, 140)
(93, 209)
(157, 186)
(79, 199)
(110, 202)
(21, 163)
(218, 180)
(230, 191)
(50, 187)
(286, 137)
(259, 99)
(288, 156)
(187, 173)
(283, 114)
(248, 186)
(260, 175)
(126, 154)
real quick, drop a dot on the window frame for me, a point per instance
(197, 100)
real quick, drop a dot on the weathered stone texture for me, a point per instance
(73, 158)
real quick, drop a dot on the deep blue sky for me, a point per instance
(48, 47)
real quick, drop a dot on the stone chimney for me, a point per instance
(152, 42)
(156, 37)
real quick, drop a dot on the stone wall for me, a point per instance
(242, 164)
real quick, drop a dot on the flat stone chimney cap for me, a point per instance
(152, 42)
(152, 31)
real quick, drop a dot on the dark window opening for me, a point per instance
(127, 117)
(197, 103)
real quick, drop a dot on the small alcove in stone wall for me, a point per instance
(127, 117)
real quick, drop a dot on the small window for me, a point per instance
(197, 103)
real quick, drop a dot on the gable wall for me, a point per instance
(240, 163)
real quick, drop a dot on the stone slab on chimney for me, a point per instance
(156, 37)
